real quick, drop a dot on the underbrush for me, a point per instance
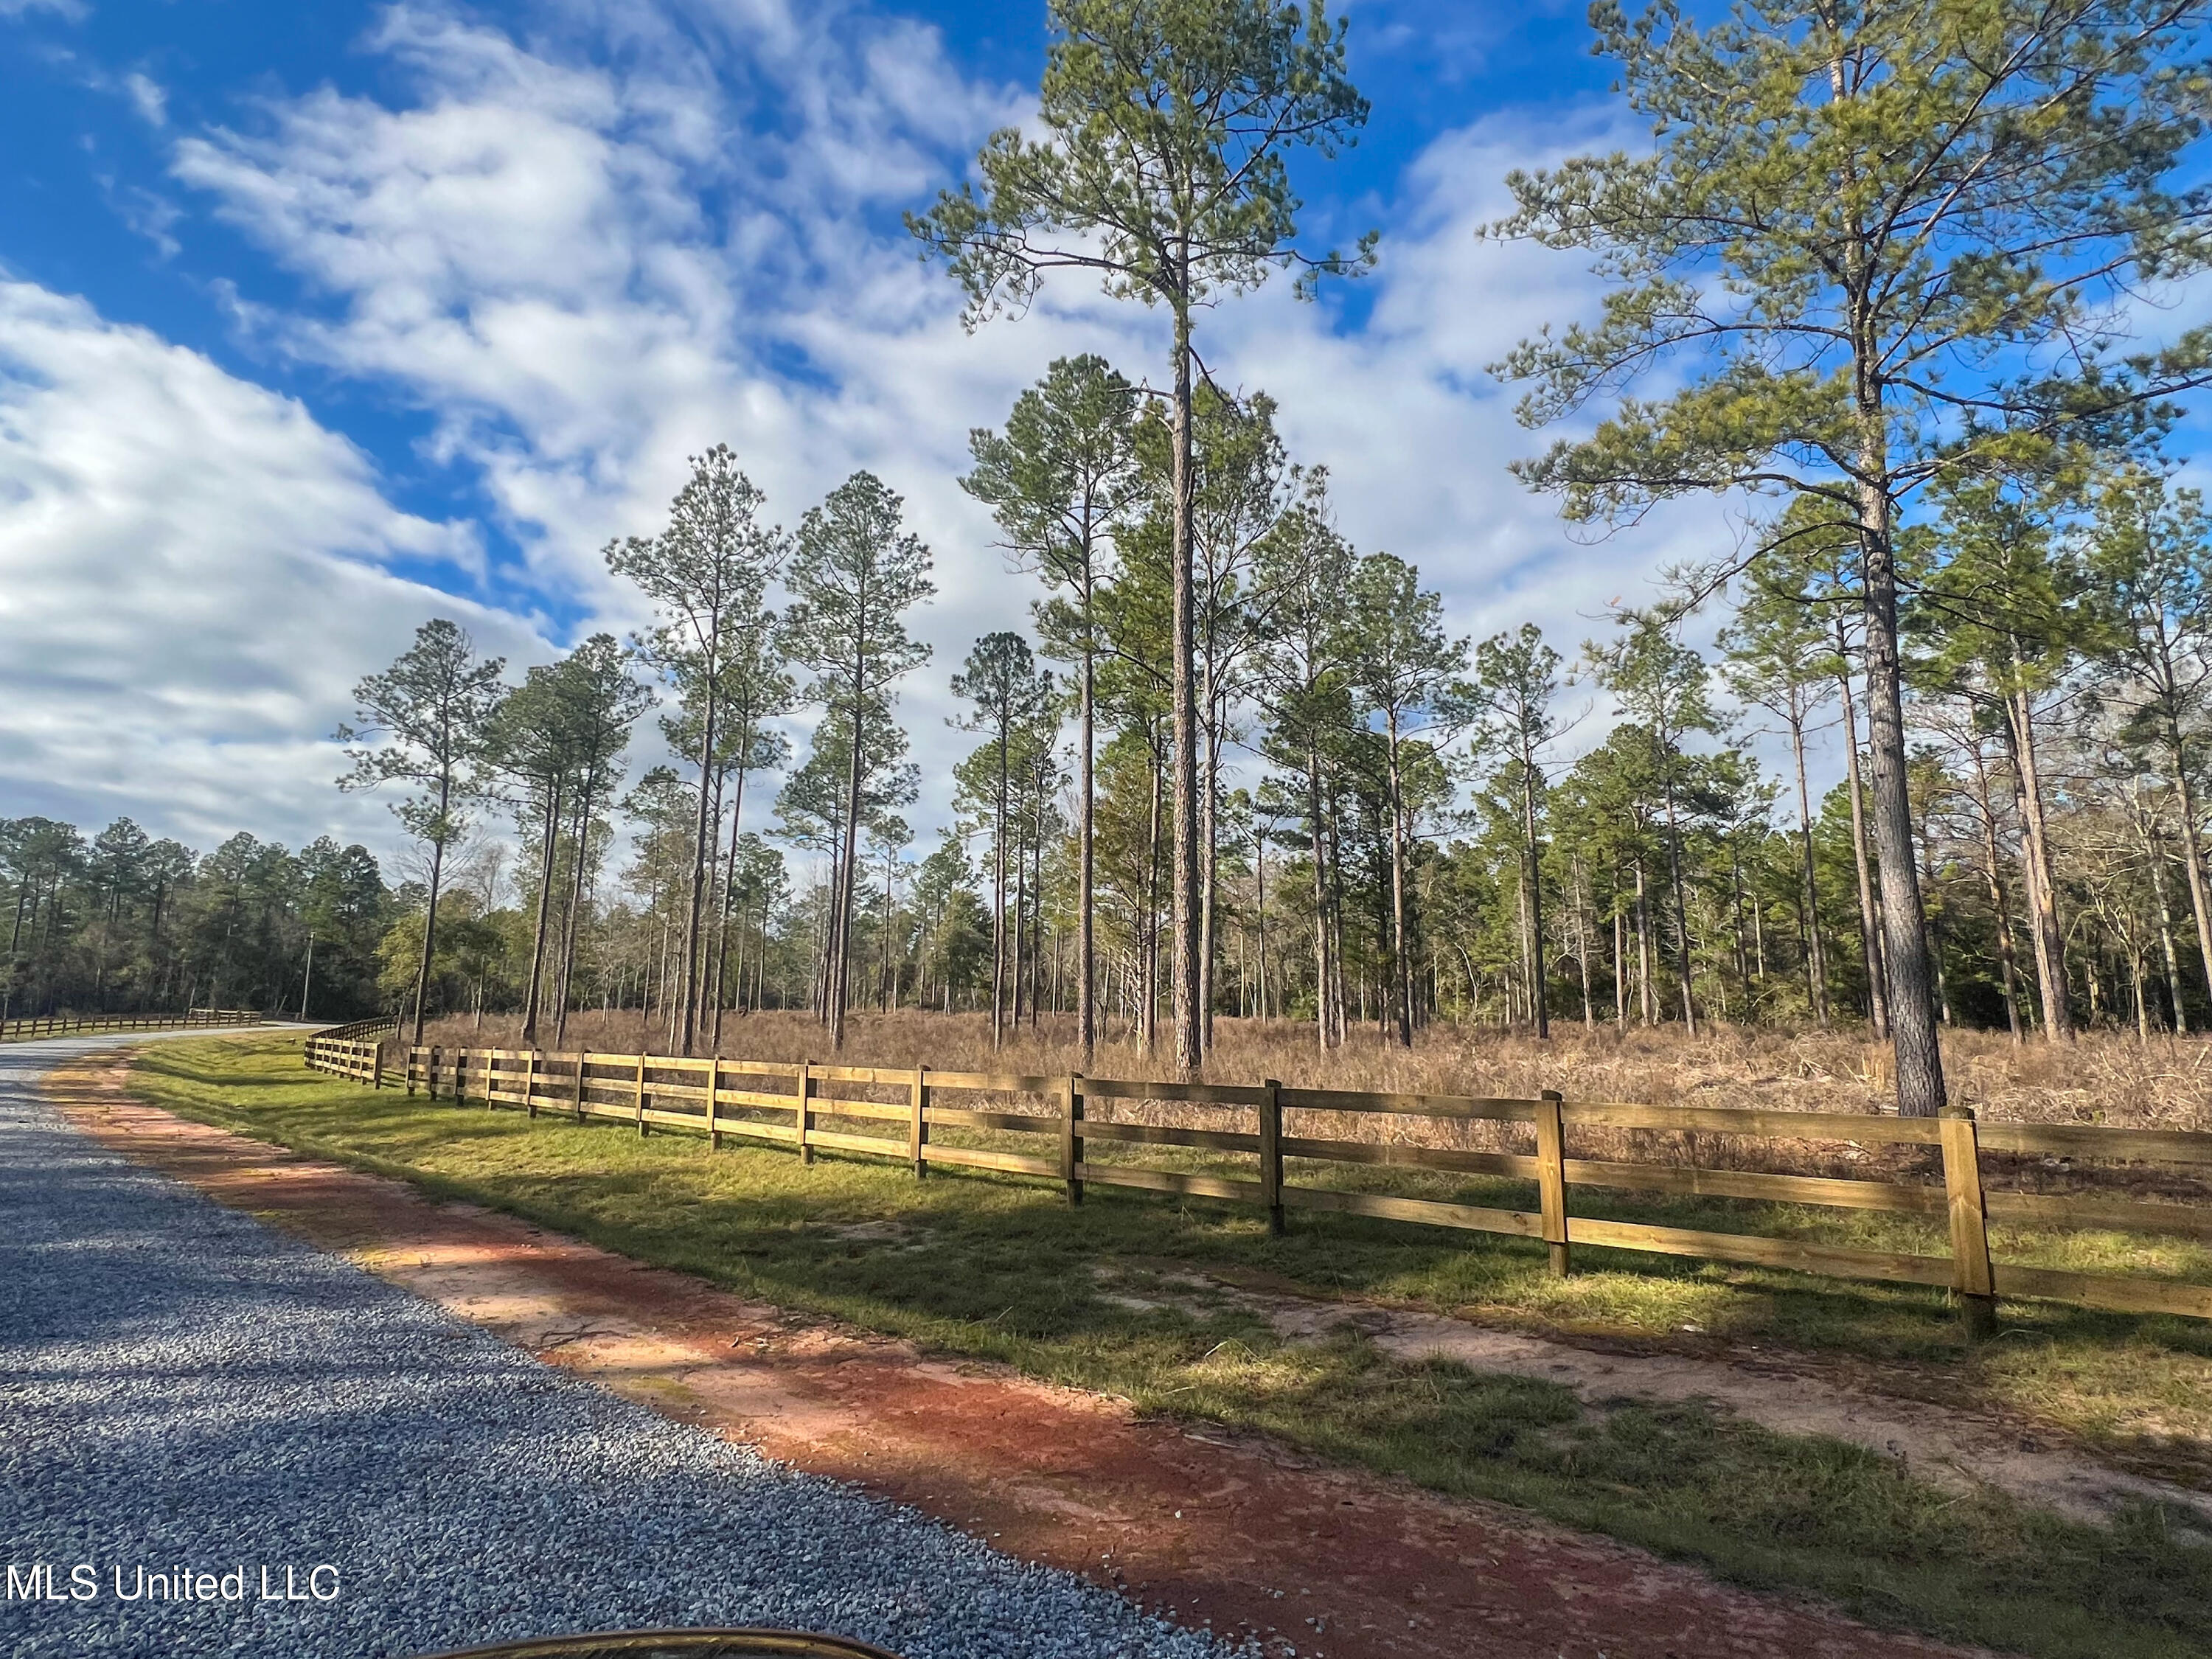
(2102, 1077)
(1002, 1270)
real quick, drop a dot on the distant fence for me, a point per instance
(69, 1026)
(787, 1103)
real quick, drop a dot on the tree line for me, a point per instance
(121, 922)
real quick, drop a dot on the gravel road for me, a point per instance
(185, 1391)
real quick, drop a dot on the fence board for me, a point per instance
(675, 1119)
(1202, 1094)
(964, 1117)
(2094, 1140)
(827, 1106)
(1762, 1121)
(882, 1145)
(1898, 1197)
(1518, 1165)
(1158, 1134)
(2107, 1291)
(1752, 1250)
(859, 1074)
(1452, 1106)
(783, 1134)
(753, 1097)
(2115, 1215)
(1164, 1181)
(1009, 1163)
(993, 1083)
(1468, 1218)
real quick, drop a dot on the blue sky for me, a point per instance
(318, 320)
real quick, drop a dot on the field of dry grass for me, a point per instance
(2102, 1077)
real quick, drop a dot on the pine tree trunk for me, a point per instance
(573, 922)
(700, 856)
(1869, 912)
(1323, 1032)
(841, 904)
(1816, 962)
(2042, 899)
(545, 847)
(700, 990)
(2192, 854)
(1538, 982)
(1681, 910)
(430, 908)
(1186, 1054)
(1401, 963)
(1147, 1015)
(729, 892)
(2156, 857)
(1209, 850)
(1914, 1040)
(1020, 929)
(999, 886)
(1086, 1001)
(1646, 991)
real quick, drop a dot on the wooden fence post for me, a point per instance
(1971, 1279)
(529, 1083)
(407, 1069)
(805, 1114)
(1071, 1142)
(640, 1089)
(1551, 1178)
(917, 1122)
(1270, 1155)
(714, 1087)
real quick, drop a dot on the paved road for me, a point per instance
(340, 1469)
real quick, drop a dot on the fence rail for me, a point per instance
(72, 1025)
(798, 1105)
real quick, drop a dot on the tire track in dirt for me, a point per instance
(1223, 1531)
(1953, 1447)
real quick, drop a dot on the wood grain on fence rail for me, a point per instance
(810, 1107)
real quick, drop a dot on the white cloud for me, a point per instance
(649, 228)
(193, 574)
(148, 98)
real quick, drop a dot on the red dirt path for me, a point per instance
(1233, 1533)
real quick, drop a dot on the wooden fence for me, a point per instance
(71, 1025)
(798, 1105)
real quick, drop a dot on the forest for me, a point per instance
(1238, 766)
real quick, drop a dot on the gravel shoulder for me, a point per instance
(1224, 1531)
(186, 1389)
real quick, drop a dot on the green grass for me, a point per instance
(1000, 1269)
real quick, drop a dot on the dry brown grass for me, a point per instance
(2103, 1077)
